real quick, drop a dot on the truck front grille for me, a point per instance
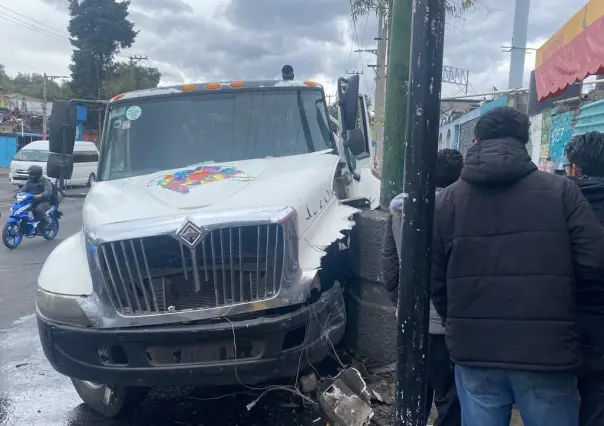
(159, 274)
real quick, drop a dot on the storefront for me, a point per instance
(573, 53)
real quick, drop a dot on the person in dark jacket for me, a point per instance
(509, 243)
(42, 190)
(586, 153)
(441, 380)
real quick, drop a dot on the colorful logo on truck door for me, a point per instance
(182, 180)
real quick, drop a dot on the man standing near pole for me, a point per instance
(421, 145)
(509, 243)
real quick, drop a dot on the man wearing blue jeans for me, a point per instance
(510, 242)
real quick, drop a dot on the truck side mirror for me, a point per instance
(348, 91)
(356, 142)
(58, 167)
(61, 140)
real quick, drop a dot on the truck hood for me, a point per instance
(303, 182)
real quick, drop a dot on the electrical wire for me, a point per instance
(31, 27)
(292, 389)
(60, 32)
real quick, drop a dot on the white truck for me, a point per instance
(209, 251)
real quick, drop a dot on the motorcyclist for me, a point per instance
(41, 188)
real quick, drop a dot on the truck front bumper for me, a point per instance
(216, 353)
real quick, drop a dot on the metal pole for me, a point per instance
(518, 49)
(421, 146)
(399, 47)
(44, 95)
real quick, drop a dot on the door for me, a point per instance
(84, 164)
(8, 149)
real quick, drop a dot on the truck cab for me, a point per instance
(210, 242)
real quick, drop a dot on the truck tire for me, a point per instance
(110, 401)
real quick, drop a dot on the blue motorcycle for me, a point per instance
(21, 224)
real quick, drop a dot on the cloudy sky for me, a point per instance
(200, 40)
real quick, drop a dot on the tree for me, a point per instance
(362, 7)
(4, 78)
(32, 85)
(98, 29)
(124, 77)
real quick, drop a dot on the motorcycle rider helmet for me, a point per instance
(35, 173)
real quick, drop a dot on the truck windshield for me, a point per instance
(153, 134)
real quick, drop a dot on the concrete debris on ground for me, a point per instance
(347, 402)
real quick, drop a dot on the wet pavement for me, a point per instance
(32, 393)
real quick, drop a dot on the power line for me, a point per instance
(61, 32)
(31, 27)
(359, 43)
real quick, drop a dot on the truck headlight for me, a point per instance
(61, 308)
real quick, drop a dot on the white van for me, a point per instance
(85, 162)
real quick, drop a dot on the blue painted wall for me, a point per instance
(590, 118)
(560, 134)
(455, 126)
(8, 149)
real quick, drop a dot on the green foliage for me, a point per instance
(98, 29)
(126, 77)
(363, 7)
(32, 85)
(4, 78)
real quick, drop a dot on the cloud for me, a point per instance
(192, 40)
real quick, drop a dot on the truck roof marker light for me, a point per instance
(188, 87)
(237, 84)
(310, 84)
(117, 97)
(213, 86)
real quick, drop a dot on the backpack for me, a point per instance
(55, 197)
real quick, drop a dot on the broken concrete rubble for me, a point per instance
(347, 401)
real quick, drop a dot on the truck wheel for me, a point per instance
(109, 401)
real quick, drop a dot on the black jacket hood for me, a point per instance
(593, 191)
(591, 187)
(497, 162)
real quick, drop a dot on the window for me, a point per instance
(148, 135)
(85, 157)
(32, 155)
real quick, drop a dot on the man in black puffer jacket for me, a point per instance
(509, 241)
(586, 153)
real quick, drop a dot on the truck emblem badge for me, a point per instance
(190, 235)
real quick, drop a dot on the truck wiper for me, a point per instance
(305, 126)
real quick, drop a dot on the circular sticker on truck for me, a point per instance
(133, 113)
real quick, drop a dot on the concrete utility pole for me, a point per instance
(135, 59)
(380, 84)
(383, 12)
(419, 142)
(399, 49)
(45, 101)
(518, 48)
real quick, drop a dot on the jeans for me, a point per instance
(441, 383)
(591, 388)
(544, 398)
